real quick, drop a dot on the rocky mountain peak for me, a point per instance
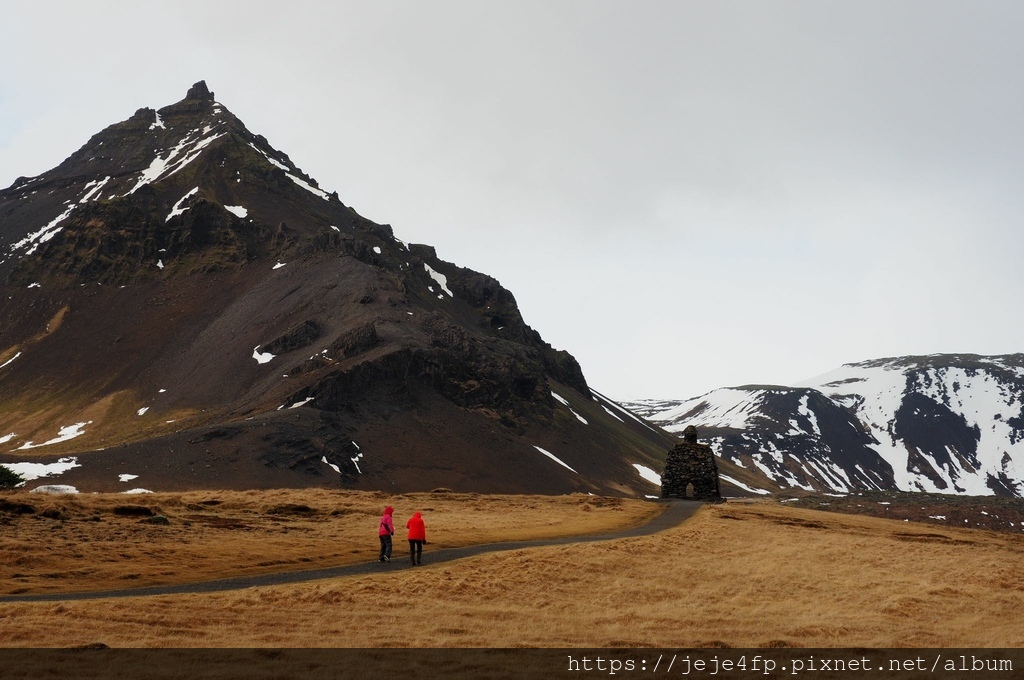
(183, 302)
(199, 91)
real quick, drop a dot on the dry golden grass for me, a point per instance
(227, 533)
(740, 574)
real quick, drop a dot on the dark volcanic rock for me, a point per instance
(298, 337)
(199, 91)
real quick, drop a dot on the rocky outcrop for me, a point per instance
(298, 337)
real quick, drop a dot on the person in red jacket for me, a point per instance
(417, 537)
(385, 531)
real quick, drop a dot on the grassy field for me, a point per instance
(742, 574)
(108, 541)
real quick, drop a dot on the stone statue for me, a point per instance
(691, 470)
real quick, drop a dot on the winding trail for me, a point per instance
(676, 513)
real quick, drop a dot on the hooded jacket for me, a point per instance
(417, 529)
(387, 524)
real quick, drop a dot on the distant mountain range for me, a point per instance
(182, 307)
(950, 423)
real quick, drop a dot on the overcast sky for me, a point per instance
(685, 195)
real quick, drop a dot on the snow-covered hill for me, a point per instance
(941, 423)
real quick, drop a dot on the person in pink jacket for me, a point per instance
(417, 537)
(385, 531)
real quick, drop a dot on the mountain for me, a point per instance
(948, 423)
(183, 307)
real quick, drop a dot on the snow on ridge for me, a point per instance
(158, 123)
(237, 210)
(126, 477)
(308, 187)
(440, 278)
(178, 209)
(611, 413)
(6, 363)
(728, 407)
(7, 437)
(276, 163)
(618, 407)
(565, 403)
(554, 458)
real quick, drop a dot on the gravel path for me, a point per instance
(675, 514)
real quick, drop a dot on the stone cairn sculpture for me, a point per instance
(690, 471)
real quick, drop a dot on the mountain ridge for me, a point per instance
(951, 423)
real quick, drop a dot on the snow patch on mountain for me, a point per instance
(30, 471)
(648, 474)
(36, 238)
(741, 485)
(261, 357)
(66, 433)
(270, 159)
(440, 278)
(560, 399)
(724, 408)
(308, 187)
(95, 185)
(186, 151)
(178, 208)
(554, 458)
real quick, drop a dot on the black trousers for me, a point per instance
(416, 551)
(385, 546)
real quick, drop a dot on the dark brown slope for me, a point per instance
(149, 279)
